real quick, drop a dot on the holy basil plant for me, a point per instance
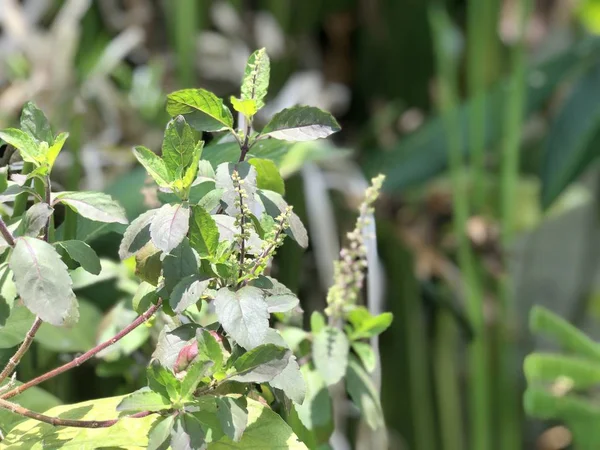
(229, 368)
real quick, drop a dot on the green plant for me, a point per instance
(224, 372)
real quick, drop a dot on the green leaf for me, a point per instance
(243, 314)
(187, 292)
(316, 411)
(275, 205)
(317, 322)
(204, 234)
(143, 400)
(17, 324)
(171, 342)
(34, 122)
(144, 296)
(261, 364)
(330, 354)
(43, 281)
(256, 77)
(545, 367)
(247, 174)
(546, 405)
(34, 220)
(228, 231)
(178, 264)
(542, 321)
(154, 165)
(268, 176)
(209, 349)
(170, 226)
(202, 109)
(190, 173)
(572, 142)
(163, 381)
(193, 377)
(300, 123)
(29, 149)
(83, 254)
(3, 179)
(137, 234)
(279, 298)
(233, 415)
(8, 293)
(291, 382)
(148, 264)
(365, 325)
(366, 355)
(364, 395)
(55, 149)
(247, 107)
(178, 147)
(187, 433)
(95, 206)
(160, 434)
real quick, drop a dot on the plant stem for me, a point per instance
(87, 355)
(6, 234)
(48, 200)
(20, 204)
(479, 395)
(508, 389)
(55, 421)
(13, 362)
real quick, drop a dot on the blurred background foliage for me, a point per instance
(101, 70)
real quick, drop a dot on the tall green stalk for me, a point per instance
(184, 28)
(509, 407)
(478, 368)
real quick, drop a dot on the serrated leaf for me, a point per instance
(364, 395)
(160, 433)
(170, 226)
(366, 354)
(162, 381)
(233, 415)
(83, 254)
(301, 123)
(204, 234)
(28, 148)
(247, 175)
(154, 165)
(268, 176)
(95, 206)
(137, 234)
(330, 354)
(178, 264)
(275, 205)
(243, 314)
(247, 107)
(193, 377)
(34, 122)
(256, 77)
(43, 281)
(367, 326)
(178, 147)
(228, 231)
(187, 434)
(34, 220)
(143, 400)
(291, 382)
(187, 292)
(170, 342)
(209, 349)
(261, 364)
(202, 109)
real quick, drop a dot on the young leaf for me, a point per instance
(83, 254)
(204, 234)
(256, 77)
(34, 220)
(93, 205)
(202, 109)
(364, 395)
(330, 354)
(193, 377)
(29, 149)
(163, 381)
(247, 107)
(154, 165)
(34, 122)
(160, 433)
(268, 176)
(169, 226)
(187, 433)
(143, 400)
(365, 325)
(274, 205)
(243, 314)
(209, 349)
(187, 292)
(233, 415)
(43, 282)
(190, 173)
(301, 123)
(178, 147)
(261, 364)
(365, 354)
(54, 149)
(137, 234)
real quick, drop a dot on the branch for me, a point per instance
(56, 421)
(48, 200)
(87, 355)
(6, 234)
(16, 358)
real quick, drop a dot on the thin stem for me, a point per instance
(13, 362)
(48, 200)
(479, 393)
(6, 234)
(87, 355)
(245, 147)
(508, 389)
(57, 422)
(20, 204)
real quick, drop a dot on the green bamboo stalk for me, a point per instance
(446, 380)
(185, 28)
(509, 408)
(478, 368)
